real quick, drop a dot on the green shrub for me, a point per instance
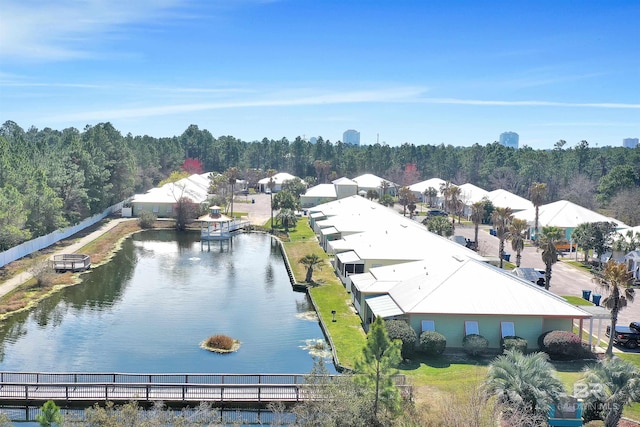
(146, 219)
(474, 344)
(514, 343)
(401, 330)
(541, 340)
(432, 343)
(562, 345)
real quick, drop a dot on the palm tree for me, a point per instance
(287, 217)
(430, 195)
(477, 213)
(618, 282)
(232, 176)
(524, 382)
(548, 239)
(456, 202)
(618, 384)
(439, 225)
(538, 194)
(312, 262)
(406, 197)
(501, 218)
(516, 234)
(446, 193)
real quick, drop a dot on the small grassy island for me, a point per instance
(220, 344)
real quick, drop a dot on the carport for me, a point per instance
(596, 312)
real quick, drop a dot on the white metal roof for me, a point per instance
(328, 231)
(194, 187)
(420, 187)
(505, 199)
(563, 214)
(384, 306)
(477, 288)
(371, 181)
(321, 191)
(346, 257)
(344, 181)
(472, 194)
(278, 178)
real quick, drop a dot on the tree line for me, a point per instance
(51, 178)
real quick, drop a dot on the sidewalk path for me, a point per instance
(9, 285)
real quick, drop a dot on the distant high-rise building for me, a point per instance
(509, 139)
(351, 137)
(313, 140)
(630, 142)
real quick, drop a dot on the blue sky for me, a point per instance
(423, 72)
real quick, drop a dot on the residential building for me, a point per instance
(630, 142)
(395, 269)
(509, 139)
(351, 137)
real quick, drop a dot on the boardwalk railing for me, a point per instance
(25, 387)
(89, 388)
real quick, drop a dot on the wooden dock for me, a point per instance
(221, 231)
(85, 389)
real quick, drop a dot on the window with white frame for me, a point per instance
(428, 325)
(156, 209)
(471, 327)
(507, 329)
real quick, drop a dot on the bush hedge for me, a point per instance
(432, 343)
(514, 343)
(562, 344)
(474, 344)
(401, 330)
(146, 219)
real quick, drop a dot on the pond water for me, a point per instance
(149, 308)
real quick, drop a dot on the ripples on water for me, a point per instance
(149, 308)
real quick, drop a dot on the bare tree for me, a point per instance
(625, 206)
(581, 190)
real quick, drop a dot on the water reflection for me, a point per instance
(148, 309)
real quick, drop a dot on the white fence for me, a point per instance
(41, 242)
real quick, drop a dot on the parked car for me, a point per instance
(530, 274)
(437, 212)
(628, 336)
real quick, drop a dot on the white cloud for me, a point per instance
(531, 103)
(65, 29)
(390, 95)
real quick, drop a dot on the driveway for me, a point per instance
(258, 212)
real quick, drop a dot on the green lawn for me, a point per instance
(302, 232)
(579, 265)
(576, 300)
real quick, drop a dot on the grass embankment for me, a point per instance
(28, 294)
(328, 294)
